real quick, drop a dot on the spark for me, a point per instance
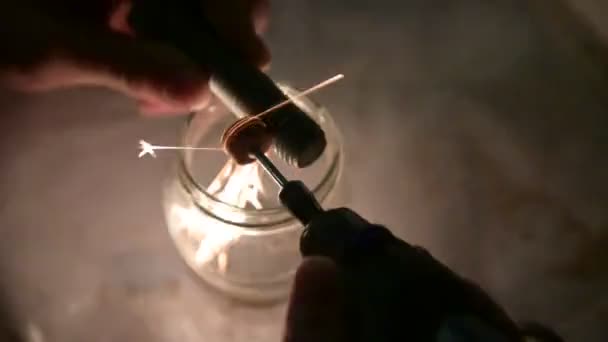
(147, 148)
(302, 94)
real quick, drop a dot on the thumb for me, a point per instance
(161, 78)
(315, 312)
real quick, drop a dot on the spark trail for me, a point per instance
(147, 148)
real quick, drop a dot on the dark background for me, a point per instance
(475, 128)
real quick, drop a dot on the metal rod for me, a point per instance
(271, 169)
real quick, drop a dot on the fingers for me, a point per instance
(62, 54)
(161, 78)
(240, 22)
(315, 308)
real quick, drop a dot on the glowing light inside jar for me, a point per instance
(239, 185)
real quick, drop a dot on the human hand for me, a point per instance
(361, 283)
(64, 43)
(316, 307)
(317, 312)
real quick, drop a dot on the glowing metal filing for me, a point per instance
(240, 185)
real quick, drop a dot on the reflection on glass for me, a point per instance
(225, 218)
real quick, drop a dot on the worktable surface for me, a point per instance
(467, 131)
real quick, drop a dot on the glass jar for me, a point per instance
(226, 220)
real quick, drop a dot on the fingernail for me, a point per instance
(190, 90)
(265, 67)
(119, 18)
(155, 109)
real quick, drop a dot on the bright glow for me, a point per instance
(238, 185)
(146, 148)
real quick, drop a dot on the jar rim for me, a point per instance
(265, 217)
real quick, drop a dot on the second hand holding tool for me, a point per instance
(243, 88)
(392, 291)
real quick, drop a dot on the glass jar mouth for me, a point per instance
(269, 217)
